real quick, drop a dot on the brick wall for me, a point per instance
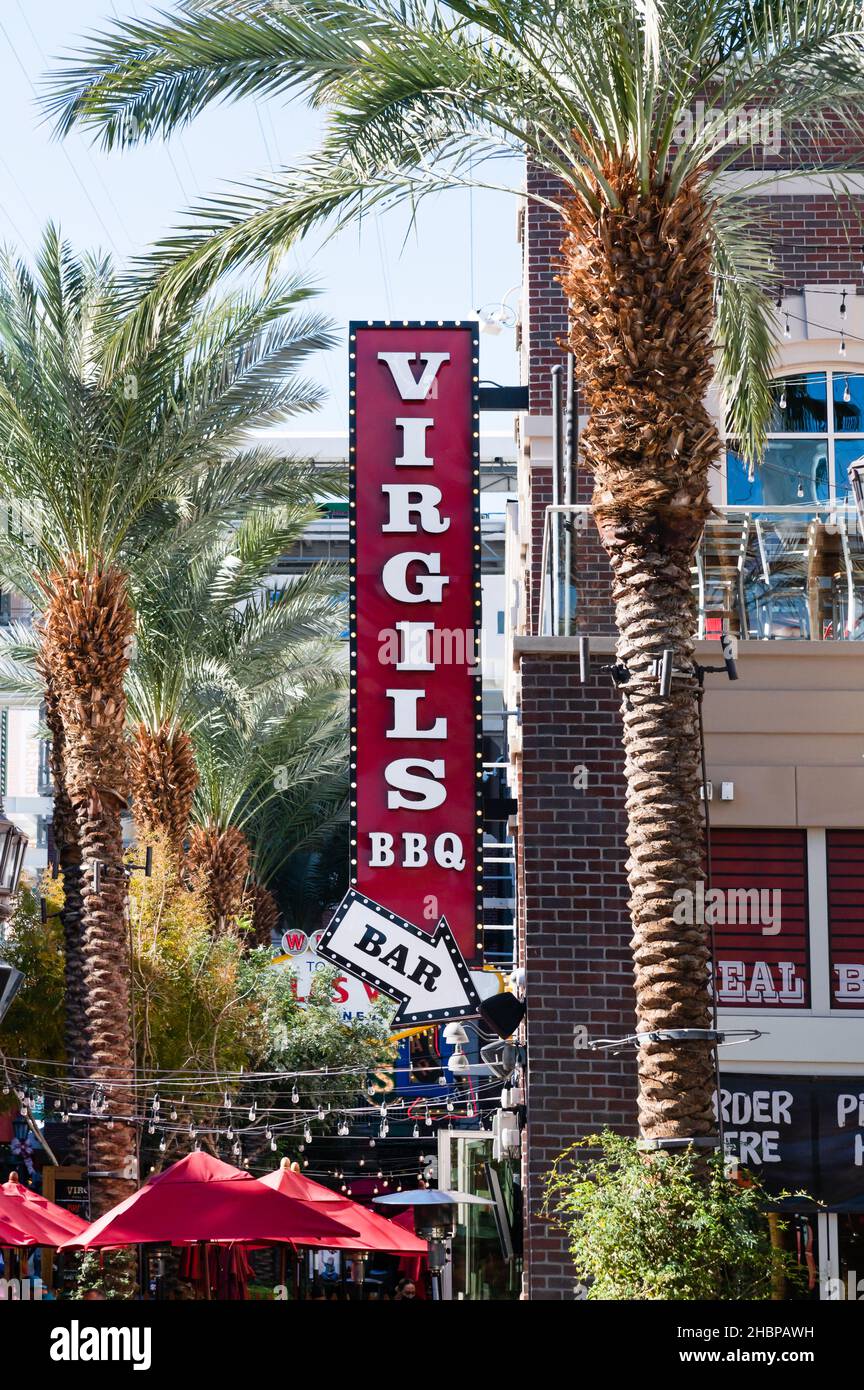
(576, 931)
(544, 308)
(816, 238)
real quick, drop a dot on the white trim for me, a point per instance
(793, 185)
(817, 912)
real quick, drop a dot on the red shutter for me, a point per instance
(759, 969)
(846, 917)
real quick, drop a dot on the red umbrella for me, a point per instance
(10, 1234)
(200, 1198)
(44, 1220)
(375, 1232)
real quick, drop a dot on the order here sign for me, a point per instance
(416, 716)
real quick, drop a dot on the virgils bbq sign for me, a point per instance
(416, 713)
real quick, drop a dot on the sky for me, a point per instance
(461, 255)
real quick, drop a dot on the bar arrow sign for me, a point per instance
(425, 971)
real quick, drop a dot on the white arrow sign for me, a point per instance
(425, 971)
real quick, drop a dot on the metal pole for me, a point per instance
(571, 444)
(557, 478)
(703, 762)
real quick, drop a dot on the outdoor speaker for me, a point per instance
(729, 645)
(584, 659)
(503, 1013)
(664, 674)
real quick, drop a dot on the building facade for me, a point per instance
(781, 566)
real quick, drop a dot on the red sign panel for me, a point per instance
(759, 910)
(846, 917)
(415, 623)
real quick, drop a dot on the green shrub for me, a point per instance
(662, 1225)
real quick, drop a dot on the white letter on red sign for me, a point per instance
(409, 388)
(431, 793)
(405, 499)
(413, 453)
(428, 590)
(405, 716)
(414, 648)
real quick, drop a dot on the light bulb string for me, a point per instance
(157, 1077)
(269, 1124)
(724, 276)
(440, 1094)
(269, 1118)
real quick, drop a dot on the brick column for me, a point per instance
(575, 933)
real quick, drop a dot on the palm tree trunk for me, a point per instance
(65, 831)
(162, 781)
(86, 630)
(639, 285)
(218, 862)
(264, 911)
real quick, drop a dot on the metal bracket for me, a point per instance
(726, 1037)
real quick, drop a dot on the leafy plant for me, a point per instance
(109, 1272)
(34, 1024)
(662, 1226)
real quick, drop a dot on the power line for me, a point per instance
(63, 149)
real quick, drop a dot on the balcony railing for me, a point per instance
(766, 573)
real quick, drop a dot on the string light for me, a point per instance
(841, 351)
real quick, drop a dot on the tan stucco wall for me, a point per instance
(789, 733)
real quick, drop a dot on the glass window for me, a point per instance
(848, 404)
(846, 451)
(787, 560)
(809, 447)
(800, 404)
(793, 471)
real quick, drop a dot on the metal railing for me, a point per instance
(767, 573)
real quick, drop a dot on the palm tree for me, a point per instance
(99, 460)
(214, 648)
(214, 643)
(424, 96)
(273, 781)
(211, 630)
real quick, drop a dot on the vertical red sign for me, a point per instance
(416, 706)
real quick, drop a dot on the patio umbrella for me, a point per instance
(34, 1214)
(10, 1233)
(200, 1198)
(375, 1232)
